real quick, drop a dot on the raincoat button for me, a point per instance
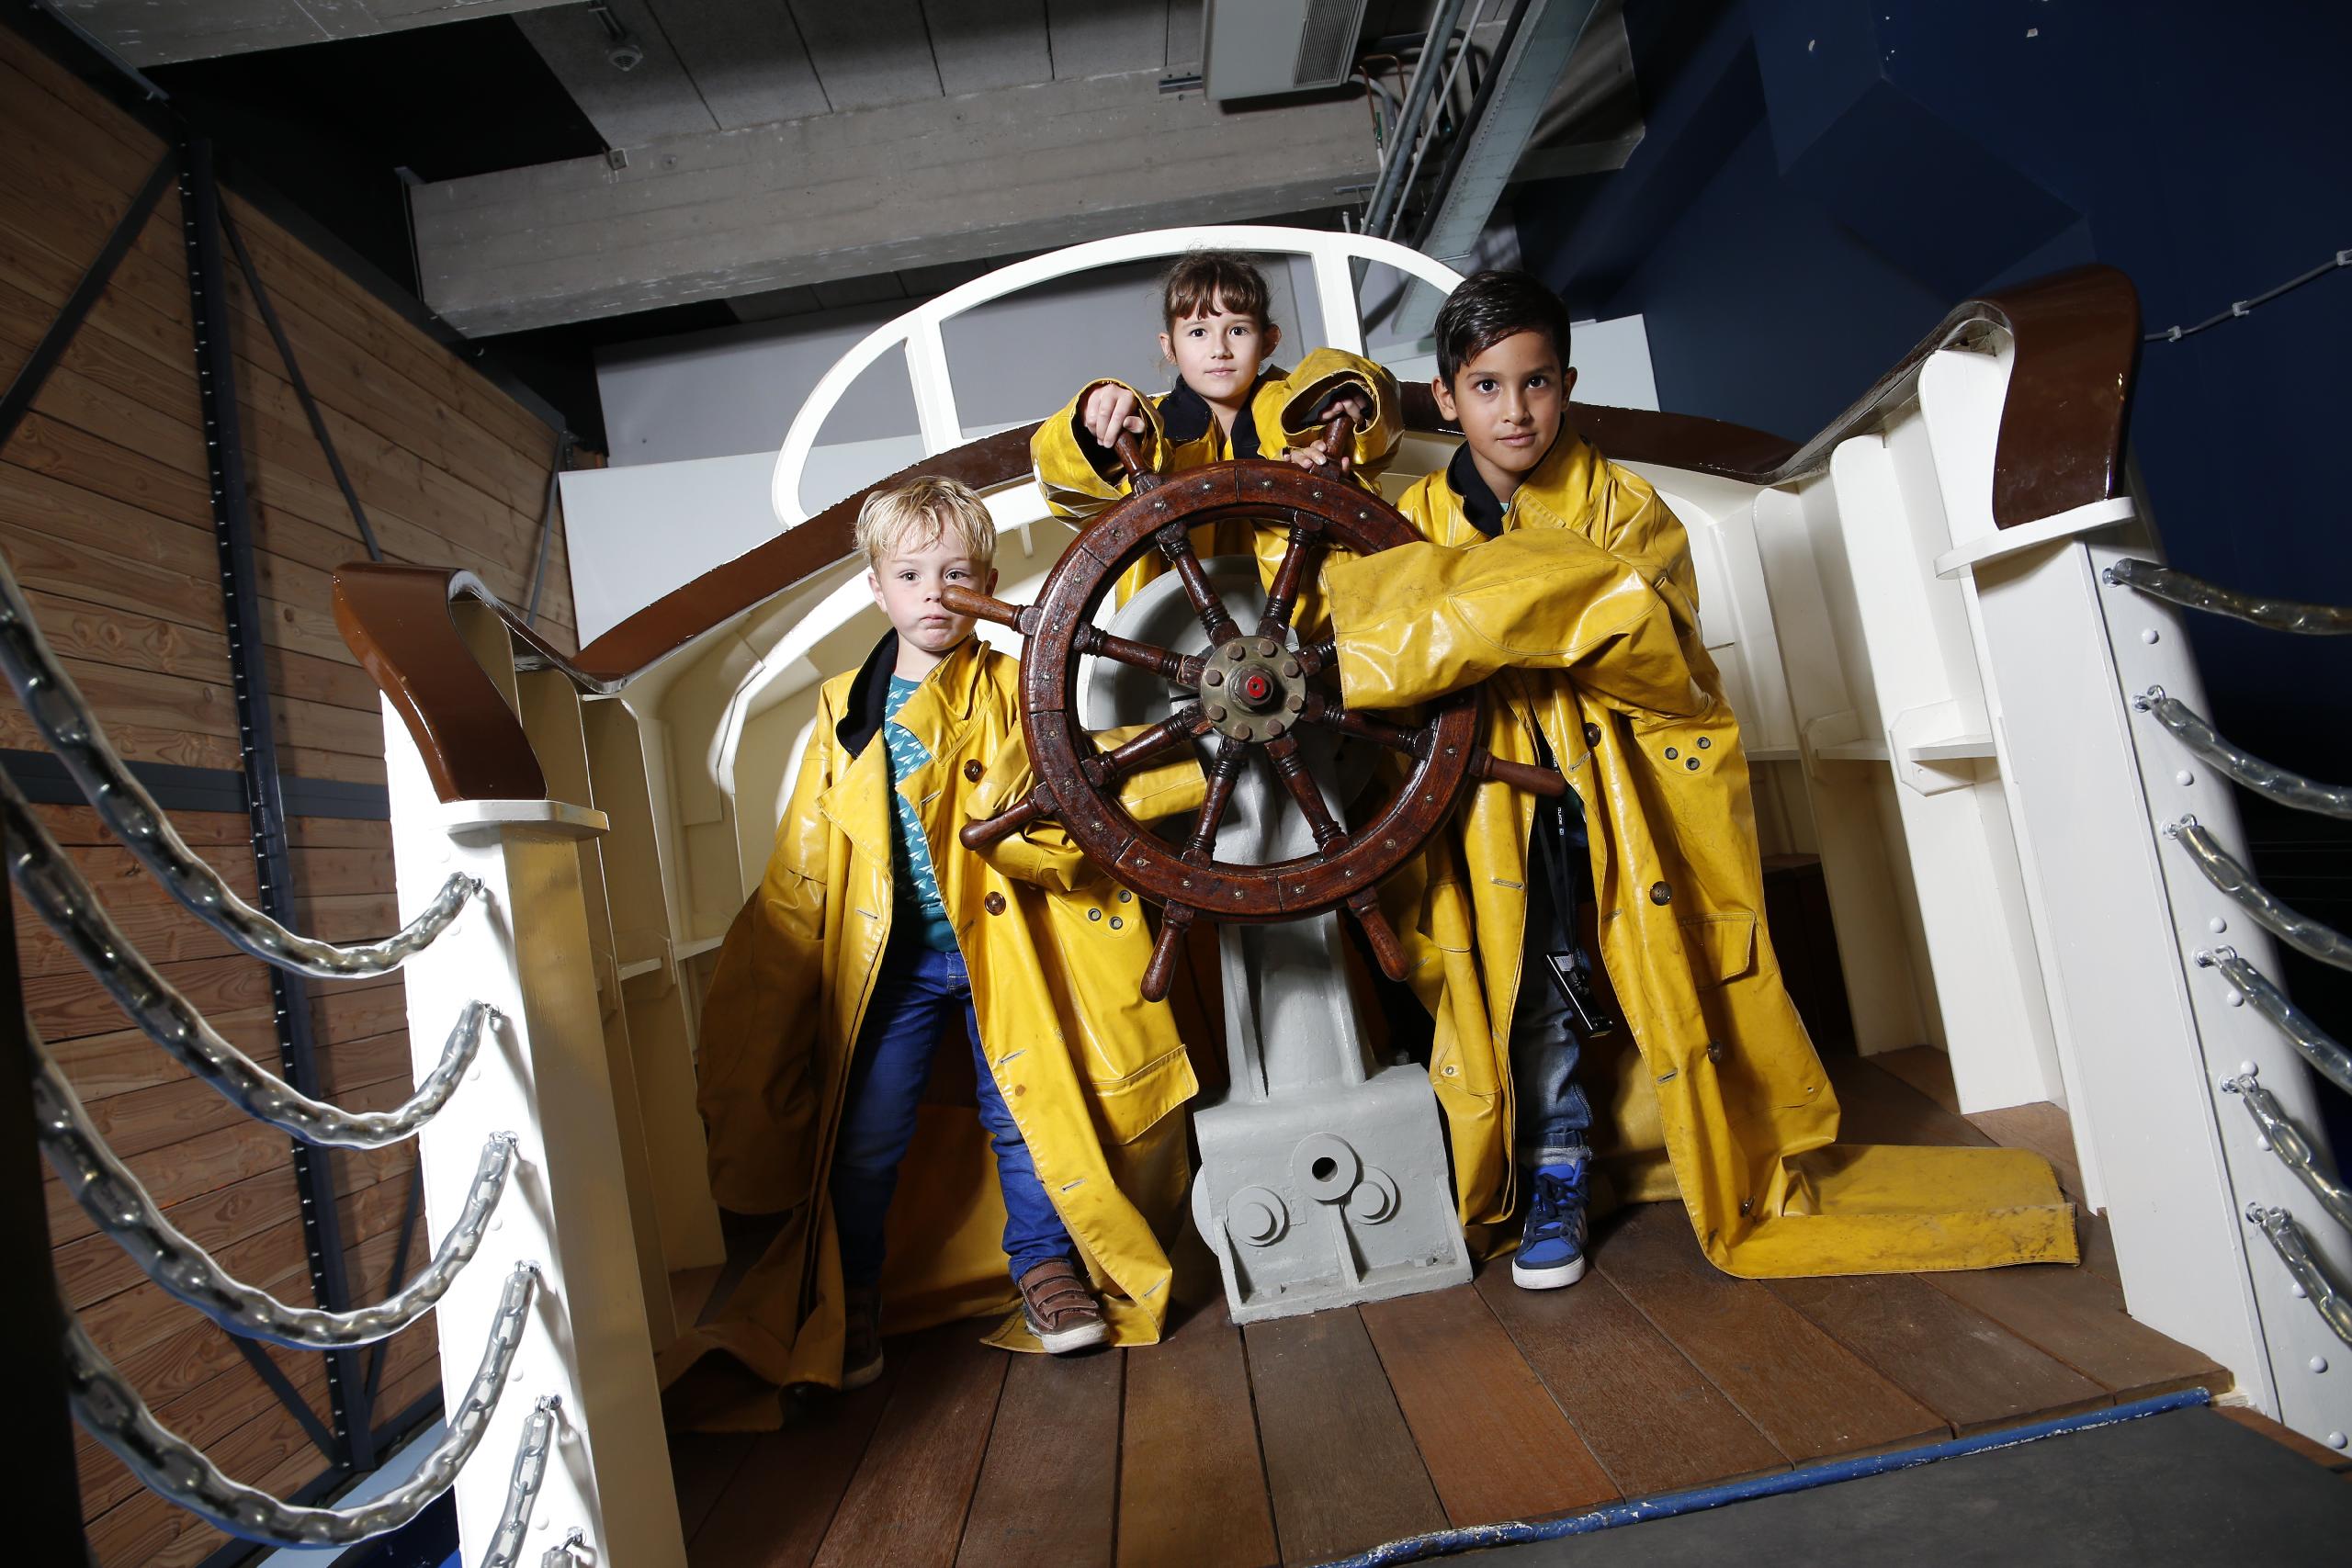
(1747, 1205)
(1115, 922)
(1704, 743)
(1691, 763)
(994, 903)
(1093, 914)
(1659, 893)
(1126, 896)
(1592, 735)
(1671, 753)
(972, 770)
(1714, 1051)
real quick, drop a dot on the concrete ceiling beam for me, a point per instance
(806, 202)
(145, 33)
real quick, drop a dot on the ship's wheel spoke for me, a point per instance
(1180, 669)
(1223, 772)
(1326, 714)
(1378, 933)
(1131, 755)
(1174, 921)
(1176, 545)
(1038, 802)
(1283, 752)
(1282, 600)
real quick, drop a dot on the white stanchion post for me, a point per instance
(523, 947)
(2147, 1034)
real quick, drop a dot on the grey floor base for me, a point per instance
(2178, 1489)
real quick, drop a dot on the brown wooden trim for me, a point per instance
(2075, 336)
(397, 620)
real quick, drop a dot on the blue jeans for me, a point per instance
(917, 994)
(1554, 1117)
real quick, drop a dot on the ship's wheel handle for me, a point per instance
(1248, 692)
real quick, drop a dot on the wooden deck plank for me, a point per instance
(1496, 1444)
(2044, 1129)
(702, 1467)
(1877, 1107)
(1339, 1460)
(1192, 1486)
(907, 1502)
(1654, 1421)
(1955, 1360)
(1925, 1068)
(1813, 1397)
(2285, 1437)
(783, 1486)
(1049, 1489)
(2076, 1314)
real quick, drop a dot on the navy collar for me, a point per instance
(1184, 415)
(1478, 502)
(862, 716)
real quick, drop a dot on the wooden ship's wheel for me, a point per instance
(1251, 690)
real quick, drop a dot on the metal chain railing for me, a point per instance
(2294, 1151)
(111, 1411)
(2195, 593)
(65, 900)
(2203, 741)
(119, 1206)
(65, 719)
(2237, 884)
(522, 1491)
(2294, 1250)
(2275, 1130)
(2319, 1048)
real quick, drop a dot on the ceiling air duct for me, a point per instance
(1252, 49)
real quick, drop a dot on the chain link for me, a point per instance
(2294, 1250)
(2195, 593)
(111, 1411)
(2294, 1151)
(65, 900)
(522, 1491)
(2295, 928)
(63, 717)
(111, 1195)
(2319, 1048)
(2203, 740)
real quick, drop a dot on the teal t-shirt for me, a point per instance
(911, 869)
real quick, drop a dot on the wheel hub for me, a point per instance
(1254, 688)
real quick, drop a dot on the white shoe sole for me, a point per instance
(1546, 1279)
(855, 1377)
(1079, 1338)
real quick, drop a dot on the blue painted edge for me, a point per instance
(1473, 1537)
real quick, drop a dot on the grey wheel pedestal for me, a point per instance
(1324, 1179)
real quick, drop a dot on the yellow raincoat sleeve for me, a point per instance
(1325, 374)
(1078, 473)
(1419, 621)
(759, 1022)
(1042, 853)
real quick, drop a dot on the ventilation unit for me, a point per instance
(1253, 48)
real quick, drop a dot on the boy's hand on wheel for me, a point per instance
(1109, 409)
(1313, 456)
(1354, 404)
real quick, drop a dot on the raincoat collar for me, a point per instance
(869, 691)
(1561, 486)
(1186, 416)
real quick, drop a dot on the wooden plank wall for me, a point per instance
(104, 512)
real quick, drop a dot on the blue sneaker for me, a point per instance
(1551, 1248)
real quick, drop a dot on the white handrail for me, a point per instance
(1333, 255)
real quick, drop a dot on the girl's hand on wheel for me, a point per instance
(1109, 409)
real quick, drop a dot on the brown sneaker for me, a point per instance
(1062, 1311)
(862, 1337)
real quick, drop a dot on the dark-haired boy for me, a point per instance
(1564, 583)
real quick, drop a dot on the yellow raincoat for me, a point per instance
(1056, 951)
(1080, 478)
(1582, 619)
